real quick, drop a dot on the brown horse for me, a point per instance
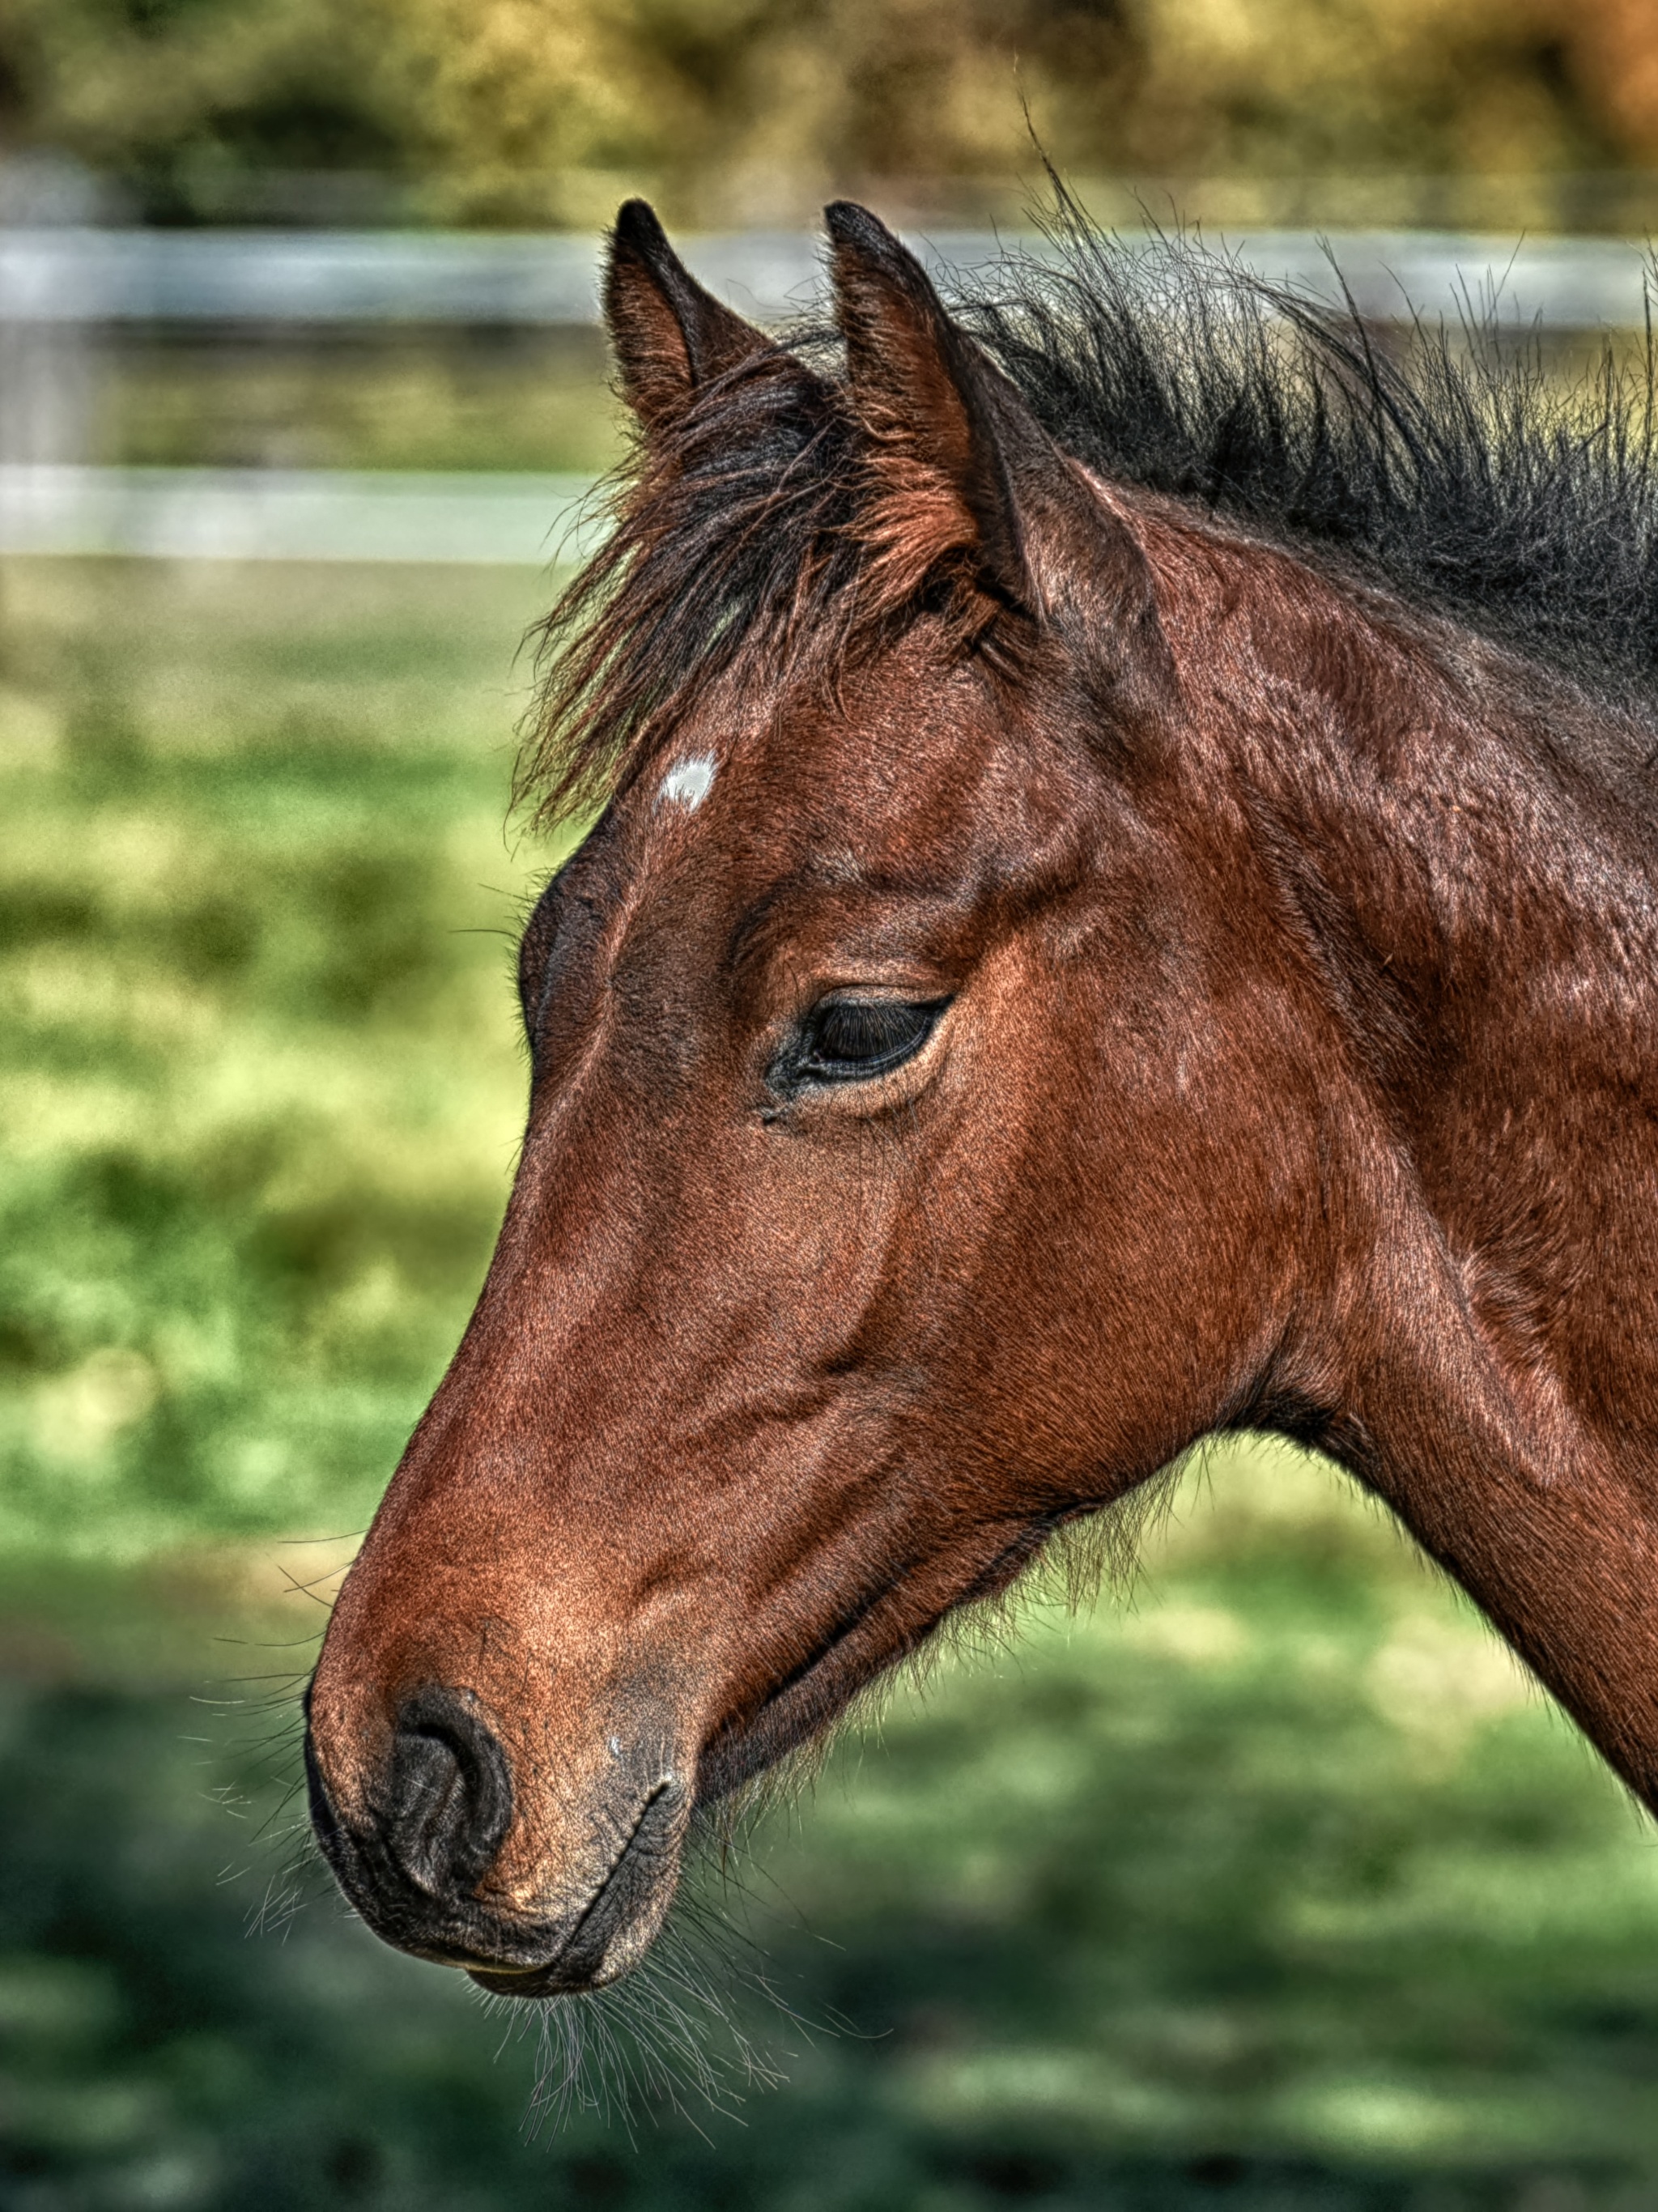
(1124, 908)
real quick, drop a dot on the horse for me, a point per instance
(1121, 907)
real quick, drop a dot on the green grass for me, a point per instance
(1272, 1887)
(387, 399)
(257, 1062)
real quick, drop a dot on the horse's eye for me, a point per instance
(853, 1040)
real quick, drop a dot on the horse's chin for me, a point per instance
(789, 1722)
(852, 1659)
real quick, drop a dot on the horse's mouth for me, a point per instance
(615, 1927)
(457, 1922)
(581, 1947)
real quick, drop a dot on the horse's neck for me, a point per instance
(1488, 923)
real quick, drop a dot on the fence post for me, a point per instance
(47, 368)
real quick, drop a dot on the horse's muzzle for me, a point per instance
(417, 1861)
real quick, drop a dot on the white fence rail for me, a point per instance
(293, 514)
(93, 276)
(262, 276)
(58, 285)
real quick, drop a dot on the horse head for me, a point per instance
(954, 1092)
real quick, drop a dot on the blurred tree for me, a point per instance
(735, 109)
(536, 110)
(176, 101)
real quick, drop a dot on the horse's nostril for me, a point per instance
(449, 1800)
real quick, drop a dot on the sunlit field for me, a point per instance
(1266, 1884)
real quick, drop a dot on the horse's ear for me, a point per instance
(966, 463)
(671, 337)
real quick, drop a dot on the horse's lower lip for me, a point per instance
(516, 1981)
(500, 1976)
(487, 1970)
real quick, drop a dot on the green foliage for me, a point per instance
(173, 98)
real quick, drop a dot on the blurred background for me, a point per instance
(1268, 1883)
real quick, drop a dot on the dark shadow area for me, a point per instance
(1276, 1889)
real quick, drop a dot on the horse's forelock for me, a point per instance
(765, 537)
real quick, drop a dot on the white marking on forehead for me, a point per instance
(688, 783)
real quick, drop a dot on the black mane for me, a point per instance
(1448, 467)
